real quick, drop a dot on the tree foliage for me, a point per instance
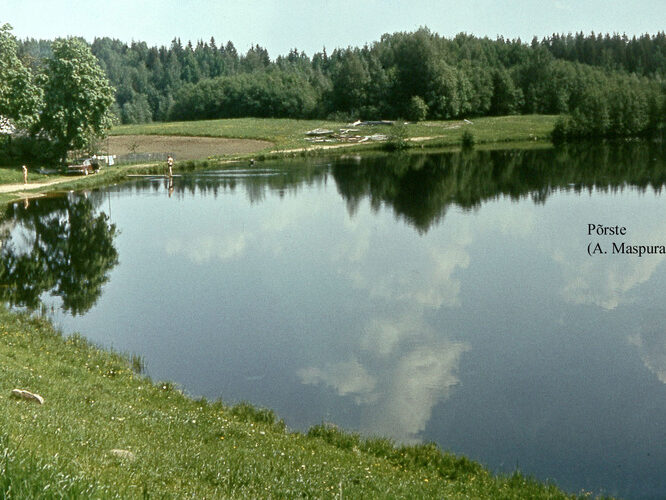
(20, 98)
(421, 188)
(417, 109)
(77, 96)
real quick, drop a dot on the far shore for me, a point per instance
(211, 143)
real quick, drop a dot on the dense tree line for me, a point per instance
(645, 55)
(606, 85)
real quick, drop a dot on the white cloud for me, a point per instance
(204, 249)
(651, 344)
(399, 398)
(421, 379)
(347, 378)
(426, 279)
(412, 369)
(607, 280)
(602, 282)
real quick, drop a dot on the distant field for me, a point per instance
(288, 134)
(283, 133)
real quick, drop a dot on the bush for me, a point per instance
(397, 139)
(559, 133)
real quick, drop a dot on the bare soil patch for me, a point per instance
(182, 147)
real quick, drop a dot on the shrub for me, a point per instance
(397, 139)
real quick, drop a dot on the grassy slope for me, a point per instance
(187, 448)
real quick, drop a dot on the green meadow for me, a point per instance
(290, 134)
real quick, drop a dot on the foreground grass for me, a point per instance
(290, 134)
(180, 447)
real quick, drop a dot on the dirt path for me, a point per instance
(24, 188)
(183, 148)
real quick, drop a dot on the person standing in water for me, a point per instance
(170, 165)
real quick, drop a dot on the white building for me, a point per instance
(6, 126)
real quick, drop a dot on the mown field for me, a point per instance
(185, 147)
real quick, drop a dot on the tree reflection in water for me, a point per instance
(421, 187)
(57, 245)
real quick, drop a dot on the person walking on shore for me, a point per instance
(25, 174)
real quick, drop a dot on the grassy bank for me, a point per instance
(169, 445)
(39, 184)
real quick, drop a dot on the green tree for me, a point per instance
(137, 110)
(417, 109)
(20, 98)
(505, 99)
(350, 80)
(77, 97)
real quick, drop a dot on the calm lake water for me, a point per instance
(430, 297)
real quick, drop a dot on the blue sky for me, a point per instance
(314, 24)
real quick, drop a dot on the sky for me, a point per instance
(311, 25)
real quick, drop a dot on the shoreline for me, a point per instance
(106, 431)
(494, 132)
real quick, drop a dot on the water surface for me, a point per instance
(431, 297)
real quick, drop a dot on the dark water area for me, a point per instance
(453, 297)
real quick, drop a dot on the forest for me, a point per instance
(602, 85)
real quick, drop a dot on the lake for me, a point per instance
(451, 297)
